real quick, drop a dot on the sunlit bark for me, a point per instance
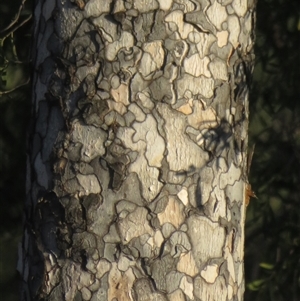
(137, 153)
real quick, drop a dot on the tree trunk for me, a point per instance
(137, 152)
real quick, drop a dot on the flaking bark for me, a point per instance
(137, 150)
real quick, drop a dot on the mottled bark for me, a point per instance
(137, 153)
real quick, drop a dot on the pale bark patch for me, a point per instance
(152, 59)
(217, 14)
(117, 106)
(210, 291)
(89, 184)
(218, 69)
(197, 85)
(176, 17)
(105, 27)
(120, 284)
(165, 4)
(137, 112)
(103, 267)
(210, 273)
(202, 117)
(204, 42)
(126, 41)
(145, 139)
(145, 100)
(183, 153)
(196, 66)
(120, 94)
(145, 5)
(186, 108)
(95, 8)
(234, 30)
(86, 294)
(176, 296)
(201, 229)
(157, 240)
(222, 37)
(240, 7)
(230, 177)
(118, 6)
(172, 214)
(91, 138)
(207, 177)
(187, 264)
(183, 196)
(186, 284)
(134, 225)
(124, 263)
(155, 149)
(230, 264)
(179, 243)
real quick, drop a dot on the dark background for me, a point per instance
(272, 255)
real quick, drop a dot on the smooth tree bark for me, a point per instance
(137, 151)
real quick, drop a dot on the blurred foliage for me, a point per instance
(15, 40)
(272, 260)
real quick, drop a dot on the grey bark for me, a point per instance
(136, 183)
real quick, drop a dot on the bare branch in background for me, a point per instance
(15, 88)
(16, 17)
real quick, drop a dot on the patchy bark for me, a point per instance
(137, 154)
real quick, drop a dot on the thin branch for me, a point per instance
(15, 88)
(15, 28)
(16, 17)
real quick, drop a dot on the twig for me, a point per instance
(15, 88)
(16, 17)
(15, 28)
